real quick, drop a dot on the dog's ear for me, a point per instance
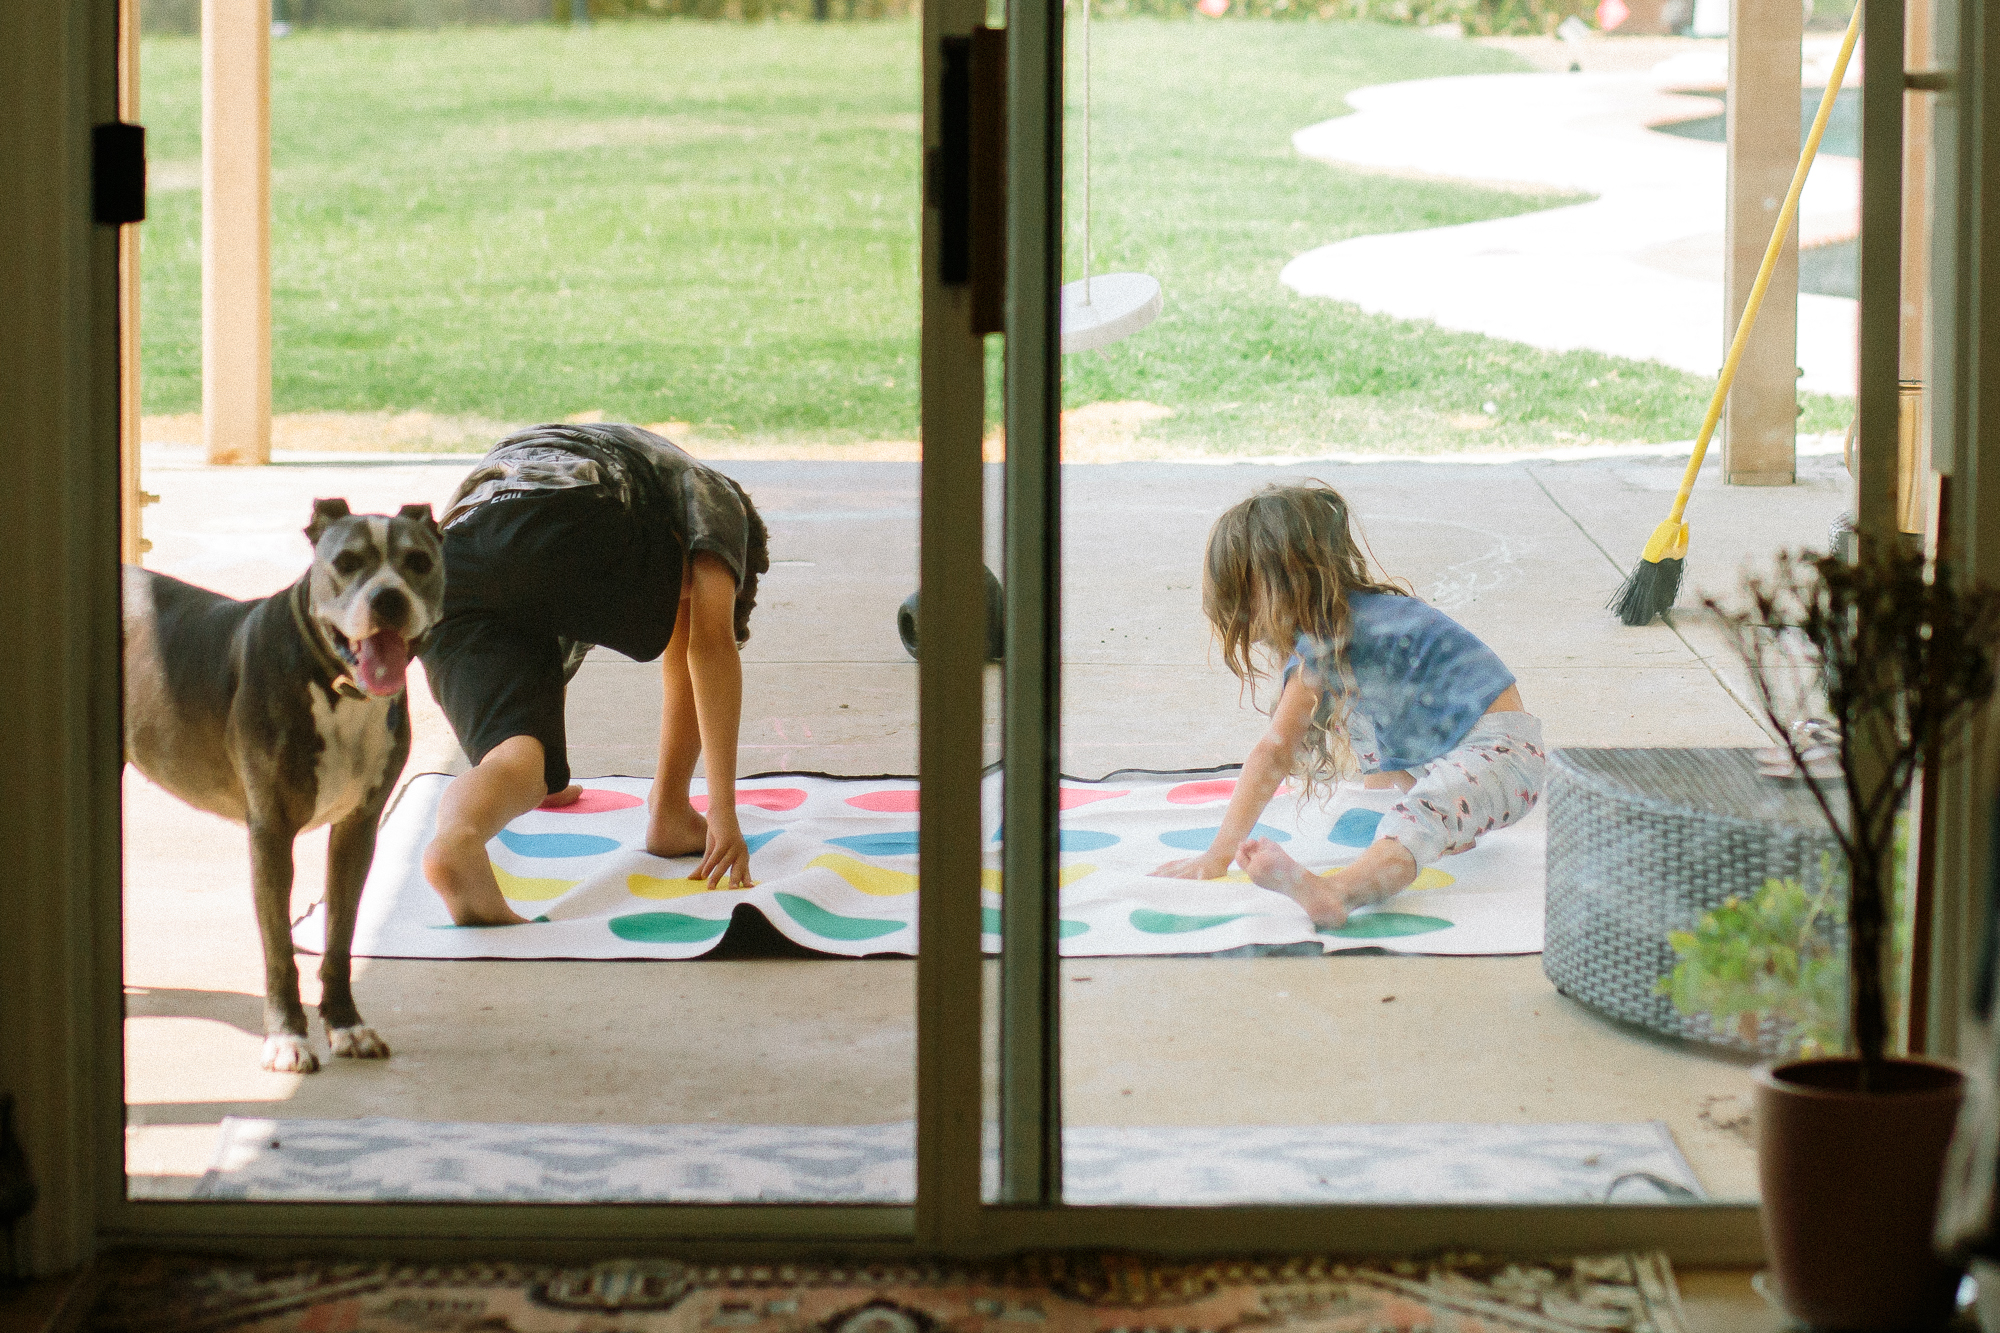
(420, 514)
(325, 512)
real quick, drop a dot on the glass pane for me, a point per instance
(702, 227)
(1482, 303)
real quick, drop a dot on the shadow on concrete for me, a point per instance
(238, 1010)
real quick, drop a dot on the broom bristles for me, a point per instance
(1649, 590)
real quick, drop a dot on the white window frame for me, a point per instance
(60, 961)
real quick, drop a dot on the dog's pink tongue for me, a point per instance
(381, 659)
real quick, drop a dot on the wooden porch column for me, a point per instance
(1913, 508)
(236, 230)
(1760, 423)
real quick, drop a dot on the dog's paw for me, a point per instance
(358, 1042)
(287, 1053)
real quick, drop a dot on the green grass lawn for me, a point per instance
(716, 223)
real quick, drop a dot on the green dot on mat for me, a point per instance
(666, 928)
(1166, 923)
(831, 924)
(989, 921)
(1383, 925)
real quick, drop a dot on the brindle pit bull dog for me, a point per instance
(285, 714)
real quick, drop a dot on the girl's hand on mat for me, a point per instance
(726, 854)
(1193, 867)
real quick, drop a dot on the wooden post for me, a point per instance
(132, 543)
(1760, 423)
(236, 230)
(1913, 499)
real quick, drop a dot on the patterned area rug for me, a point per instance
(1065, 1293)
(384, 1159)
(836, 860)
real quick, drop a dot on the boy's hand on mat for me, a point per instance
(726, 855)
(1193, 867)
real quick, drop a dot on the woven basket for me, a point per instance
(1643, 842)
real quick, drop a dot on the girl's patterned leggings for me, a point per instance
(1491, 780)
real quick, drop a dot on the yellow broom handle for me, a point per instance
(1771, 252)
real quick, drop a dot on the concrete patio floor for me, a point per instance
(1525, 553)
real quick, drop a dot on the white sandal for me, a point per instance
(1819, 747)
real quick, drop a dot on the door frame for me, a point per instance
(60, 982)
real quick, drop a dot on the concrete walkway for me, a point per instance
(1525, 553)
(1636, 272)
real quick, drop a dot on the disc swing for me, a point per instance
(1097, 311)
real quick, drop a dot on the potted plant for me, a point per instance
(1897, 652)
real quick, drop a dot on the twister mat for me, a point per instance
(836, 860)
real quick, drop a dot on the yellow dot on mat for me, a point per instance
(652, 886)
(989, 880)
(521, 889)
(874, 880)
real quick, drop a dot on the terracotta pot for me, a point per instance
(1850, 1183)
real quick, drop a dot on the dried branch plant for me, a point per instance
(1901, 652)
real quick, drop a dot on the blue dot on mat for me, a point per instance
(1074, 839)
(879, 844)
(1356, 828)
(1198, 839)
(555, 845)
(755, 840)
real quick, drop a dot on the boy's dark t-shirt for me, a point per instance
(567, 536)
(683, 505)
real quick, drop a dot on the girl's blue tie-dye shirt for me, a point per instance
(1421, 679)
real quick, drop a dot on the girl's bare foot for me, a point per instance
(1270, 867)
(1384, 870)
(569, 795)
(458, 869)
(676, 832)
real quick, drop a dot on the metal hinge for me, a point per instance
(118, 173)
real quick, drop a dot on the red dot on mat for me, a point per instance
(886, 802)
(1201, 793)
(1071, 797)
(595, 801)
(764, 798)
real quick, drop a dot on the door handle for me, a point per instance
(117, 173)
(967, 175)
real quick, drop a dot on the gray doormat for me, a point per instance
(377, 1158)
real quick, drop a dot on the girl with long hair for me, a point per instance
(1376, 683)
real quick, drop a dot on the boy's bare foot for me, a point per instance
(676, 832)
(458, 869)
(569, 795)
(1384, 870)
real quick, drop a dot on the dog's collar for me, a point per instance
(339, 678)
